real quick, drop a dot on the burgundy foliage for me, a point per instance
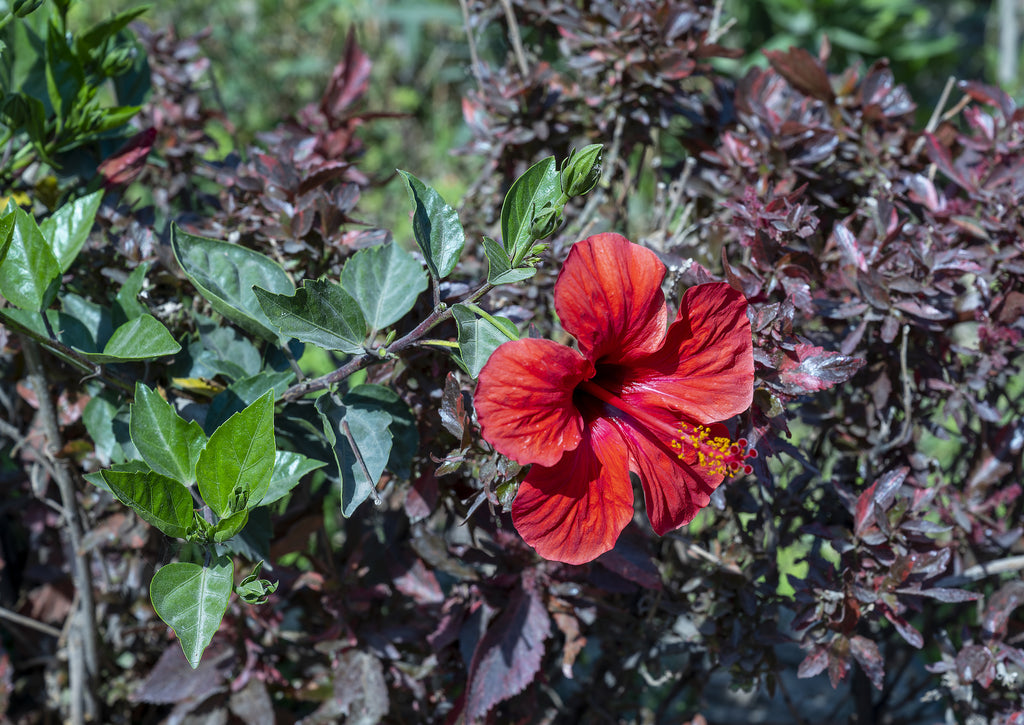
(883, 265)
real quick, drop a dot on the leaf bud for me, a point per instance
(24, 8)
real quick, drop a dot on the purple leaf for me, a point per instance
(508, 656)
(809, 369)
(943, 594)
(814, 663)
(869, 658)
(803, 71)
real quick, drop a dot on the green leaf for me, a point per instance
(98, 418)
(106, 29)
(97, 480)
(68, 228)
(30, 274)
(6, 232)
(289, 468)
(253, 590)
(369, 430)
(239, 455)
(479, 337)
(192, 599)
(142, 338)
(126, 303)
(229, 526)
(321, 313)
(386, 281)
(499, 266)
(82, 324)
(436, 226)
(64, 74)
(529, 194)
(167, 443)
(157, 499)
(244, 392)
(226, 351)
(225, 275)
(405, 435)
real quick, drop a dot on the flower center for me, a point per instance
(718, 454)
(692, 443)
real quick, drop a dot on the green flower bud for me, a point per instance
(581, 171)
(545, 222)
(24, 8)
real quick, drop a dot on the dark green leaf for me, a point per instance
(529, 194)
(368, 428)
(230, 526)
(244, 392)
(97, 480)
(64, 73)
(157, 499)
(320, 313)
(191, 599)
(167, 443)
(82, 324)
(239, 455)
(30, 274)
(385, 281)
(68, 228)
(142, 338)
(436, 226)
(225, 275)
(6, 232)
(226, 351)
(405, 436)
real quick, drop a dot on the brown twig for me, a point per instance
(513, 34)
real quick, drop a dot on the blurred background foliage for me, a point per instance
(271, 57)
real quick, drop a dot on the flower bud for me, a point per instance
(545, 222)
(24, 8)
(582, 170)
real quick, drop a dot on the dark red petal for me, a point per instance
(524, 400)
(608, 296)
(575, 510)
(705, 370)
(674, 489)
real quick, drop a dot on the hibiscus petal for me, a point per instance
(575, 510)
(705, 369)
(608, 296)
(524, 400)
(674, 489)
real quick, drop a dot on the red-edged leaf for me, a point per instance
(838, 663)
(814, 663)
(905, 629)
(1001, 606)
(881, 492)
(848, 246)
(803, 71)
(630, 561)
(869, 658)
(809, 369)
(129, 160)
(941, 157)
(419, 584)
(973, 663)
(508, 656)
(349, 80)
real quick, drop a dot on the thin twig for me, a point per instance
(88, 668)
(905, 431)
(981, 571)
(936, 116)
(29, 622)
(474, 58)
(513, 34)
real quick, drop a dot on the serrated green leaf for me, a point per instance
(479, 337)
(96, 478)
(142, 338)
(126, 303)
(157, 499)
(192, 599)
(436, 227)
(68, 228)
(289, 468)
(527, 196)
(225, 275)
(239, 454)
(385, 281)
(369, 429)
(320, 313)
(30, 274)
(405, 435)
(168, 443)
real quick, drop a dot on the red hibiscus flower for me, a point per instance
(639, 395)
